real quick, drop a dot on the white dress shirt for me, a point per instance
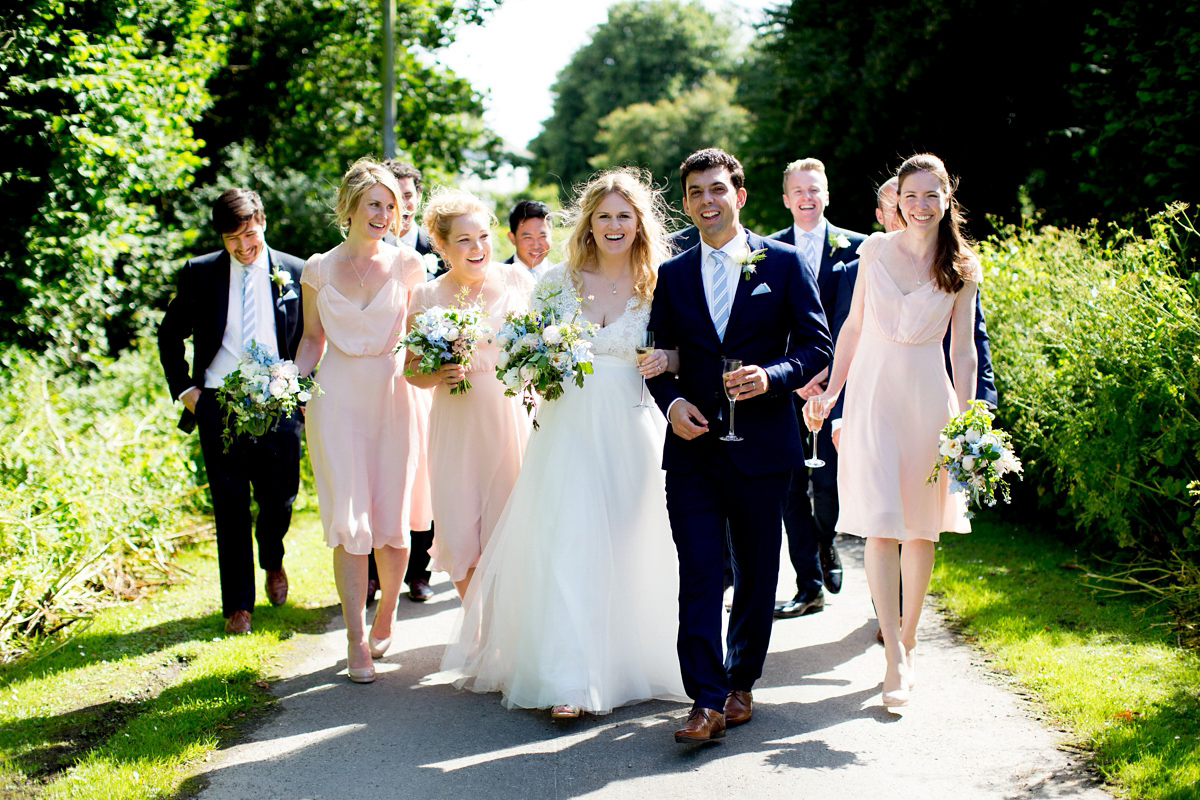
(538, 271)
(410, 238)
(734, 250)
(230, 354)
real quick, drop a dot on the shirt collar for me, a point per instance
(818, 230)
(733, 248)
(410, 238)
(260, 262)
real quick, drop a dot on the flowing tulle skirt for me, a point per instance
(575, 597)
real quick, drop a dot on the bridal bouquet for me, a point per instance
(263, 390)
(539, 351)
(975, 456)
(446, 336)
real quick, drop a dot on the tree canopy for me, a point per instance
(646, 52)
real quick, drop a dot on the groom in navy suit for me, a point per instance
(732, 296)
(246, 291)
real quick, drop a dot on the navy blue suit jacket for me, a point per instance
(833, 261)
(200, 310)
(781, 328)
(985, 380)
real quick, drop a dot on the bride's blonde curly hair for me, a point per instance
(649, 243)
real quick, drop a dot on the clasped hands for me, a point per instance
(686, 420)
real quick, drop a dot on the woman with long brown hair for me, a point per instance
(573, 604)
(911, 284)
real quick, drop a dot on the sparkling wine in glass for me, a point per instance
(729, 365)
(814, 426)
(644, 350)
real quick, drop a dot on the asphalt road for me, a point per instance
(818, 731)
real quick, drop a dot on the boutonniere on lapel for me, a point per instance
(430, 262)
(838, 241)
(749, 259)
(281, 278)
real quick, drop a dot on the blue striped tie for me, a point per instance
(722, 298)
(249, 318)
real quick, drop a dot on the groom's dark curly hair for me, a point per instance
(711, 158)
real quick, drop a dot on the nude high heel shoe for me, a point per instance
(898, 697)
(358, 674)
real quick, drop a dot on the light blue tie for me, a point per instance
(722, 298)
(249, 318)
(812, 252)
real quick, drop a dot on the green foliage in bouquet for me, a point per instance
(98, 489)
(975, 456)
(262, 391)
(1096, 343)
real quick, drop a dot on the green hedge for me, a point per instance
(1096, 343)
(97, 489)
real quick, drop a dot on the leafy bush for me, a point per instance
(97, 489)
(1096, 339)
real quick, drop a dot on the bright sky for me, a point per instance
(516, 55)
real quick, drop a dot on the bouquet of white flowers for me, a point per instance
(976, 456)
(539, 351)
(446, 336)
(263, 390)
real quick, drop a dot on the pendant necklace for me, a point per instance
(913, 264)
(614, 285)
(362, 278)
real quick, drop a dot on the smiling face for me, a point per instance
(375, 214)
(713, 204)
(923, 200)
(614, 225)
(885, 211)
(244, 244)
(806, 193)
(532, 240)
(468, 248)
(410, 199)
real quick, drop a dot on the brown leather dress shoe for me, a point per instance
(703, 725)
(739, 707)
(277, 587)
(238, 623)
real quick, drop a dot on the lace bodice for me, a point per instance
(621, 338)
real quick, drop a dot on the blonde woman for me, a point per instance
(476, 438)
(361, 431)
(573, 607)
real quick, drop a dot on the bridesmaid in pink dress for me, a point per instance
(362, 430)
(476, 439)
(911, 284)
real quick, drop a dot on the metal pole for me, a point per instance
(389, 78)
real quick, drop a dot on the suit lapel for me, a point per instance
(743, 286)
(224, 270)
(693, 285)
(277, 308)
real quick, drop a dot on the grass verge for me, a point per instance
(126, 707)
(1107, 668)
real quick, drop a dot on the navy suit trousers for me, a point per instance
(810, 520)
(700, 504)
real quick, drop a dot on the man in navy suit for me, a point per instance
(826, 249)
(408, 177)
(247, 291)
(733, 296)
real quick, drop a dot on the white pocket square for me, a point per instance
(762, 288)
(291, 295)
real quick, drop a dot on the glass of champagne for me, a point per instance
(644, 350)
(814, 426)
(729, 365)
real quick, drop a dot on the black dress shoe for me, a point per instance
(831, 567)
(801, 605)
(419, 591)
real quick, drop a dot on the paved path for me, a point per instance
(818, 730)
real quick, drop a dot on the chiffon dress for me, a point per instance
(898, 399)
(362, 429)
(476, 438)
(575, 598)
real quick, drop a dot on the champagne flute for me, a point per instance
(729, 365)
(813, 423)
(644, 350)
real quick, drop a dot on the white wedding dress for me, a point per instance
(574, 600)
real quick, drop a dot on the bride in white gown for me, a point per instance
(574, 602)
